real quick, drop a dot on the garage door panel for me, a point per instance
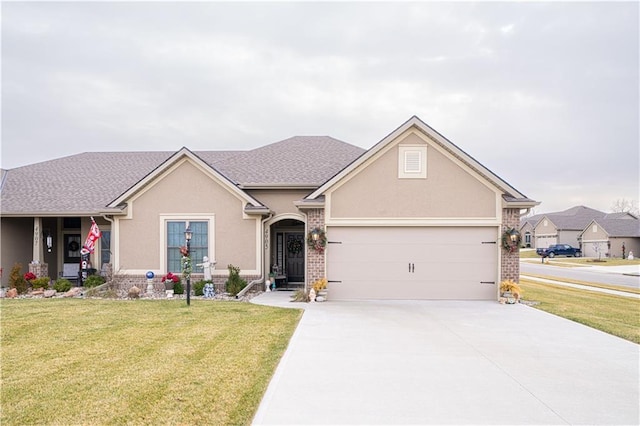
(413, 263)
(431, 290)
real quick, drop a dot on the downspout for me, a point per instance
(261, 279)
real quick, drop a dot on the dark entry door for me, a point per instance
(72, 246)
(295, 257)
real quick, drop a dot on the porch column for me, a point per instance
(37, 240)
(510, 261)
(37, 266)
(315, 260)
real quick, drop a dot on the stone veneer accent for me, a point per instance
(315, 260)
(39, 269)
(125, 282)
(510, 262)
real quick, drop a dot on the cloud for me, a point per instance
(532, 90)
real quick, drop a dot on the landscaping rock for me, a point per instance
(12, 293)
(49, 293)
(38, 292)
(134, 292)
(73, 292)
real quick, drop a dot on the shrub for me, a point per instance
(198, 287)
(62, 285)
(16, 279)
(41, 282)
(234, 284)
(300, 296)
(178, 288)
(93, 281)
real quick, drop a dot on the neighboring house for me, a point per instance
(527, 226)
(414, 217)
(606, 236)
(562, 227)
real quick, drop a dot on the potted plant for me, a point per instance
(170, 280)
(320, 288)
(510, 291)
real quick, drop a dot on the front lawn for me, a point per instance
(138, 362)
(615, 315)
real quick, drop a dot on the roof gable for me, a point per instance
(510, 195)
(617, 226)
(170, 162)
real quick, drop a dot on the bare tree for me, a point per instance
(598, 249)
(622, 205)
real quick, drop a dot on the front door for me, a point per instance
(294, 261)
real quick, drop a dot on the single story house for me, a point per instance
(413, 217)
(614, 235)
(564, 227)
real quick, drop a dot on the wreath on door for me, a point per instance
(294, 246)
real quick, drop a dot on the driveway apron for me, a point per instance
(448, 362)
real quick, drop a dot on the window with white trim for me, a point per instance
(412, 162)
(175, 239)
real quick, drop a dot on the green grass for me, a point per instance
(597, 285)
(616, 315)
(138, 362)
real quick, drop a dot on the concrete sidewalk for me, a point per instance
(446, 362)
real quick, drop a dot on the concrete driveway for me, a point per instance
(447, 362)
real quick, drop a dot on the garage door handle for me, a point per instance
(489, 242)
(487, 282)
(330, 281)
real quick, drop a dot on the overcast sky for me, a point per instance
(546, 95)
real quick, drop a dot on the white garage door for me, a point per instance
(595, 248)
(458, 263)
(546, 241)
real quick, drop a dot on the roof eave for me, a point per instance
(278, 186)
(261, 211)
(310, 203)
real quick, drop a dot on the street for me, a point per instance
(584, 273)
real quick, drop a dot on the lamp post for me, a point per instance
(187, 235)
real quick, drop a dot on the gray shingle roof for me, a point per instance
(574, 218)
(301, 160)
(620, 225)
(85, 183)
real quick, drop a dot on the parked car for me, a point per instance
(559, 250)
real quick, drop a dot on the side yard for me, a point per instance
(615, 315)
(70, 361)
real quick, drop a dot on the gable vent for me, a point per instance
(412, 162)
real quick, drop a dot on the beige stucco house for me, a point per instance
(596, 233)
(606, 237)
(414, 217)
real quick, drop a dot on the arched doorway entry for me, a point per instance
(287, 252)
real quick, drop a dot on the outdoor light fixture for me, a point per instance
(315, 234)
(188, 234)
(514, 234)
(49, 240)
